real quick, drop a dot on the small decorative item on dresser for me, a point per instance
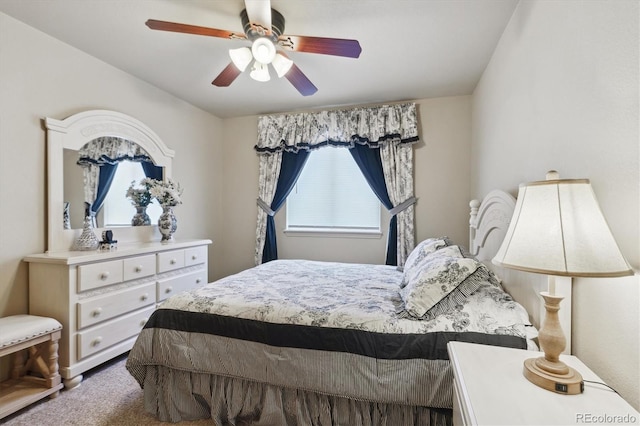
(87, 240)
(108, 243)
(141, 198)
(168, 195)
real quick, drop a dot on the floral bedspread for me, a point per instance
(287, 324)
(343, 295)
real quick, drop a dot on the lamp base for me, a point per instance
(553, 376)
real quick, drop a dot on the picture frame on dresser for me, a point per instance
(103, 298)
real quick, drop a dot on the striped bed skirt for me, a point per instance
(177, 395)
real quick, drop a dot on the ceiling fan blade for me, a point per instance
(323, 45)
(192, 29)
(227, 76)
(300, 81)
(259, 13)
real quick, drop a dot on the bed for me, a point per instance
(297, 342)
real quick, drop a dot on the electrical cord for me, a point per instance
(600, 383)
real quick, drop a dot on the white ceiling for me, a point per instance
(411, 49)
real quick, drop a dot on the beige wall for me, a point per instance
(561, 92)
(241, 190)
(441, 185)
(42, 77)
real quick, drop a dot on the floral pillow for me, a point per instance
(458, 251)
(426, 254)
(422, 249)
(442, 283)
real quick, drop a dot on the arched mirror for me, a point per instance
(87, 150)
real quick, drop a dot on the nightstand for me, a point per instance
(490, 389)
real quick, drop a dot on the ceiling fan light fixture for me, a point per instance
(241, 57)
(263, 50)
(281, 64)
(260, 72)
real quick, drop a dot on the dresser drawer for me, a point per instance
(195, 255)
(170, 260)
(139, 267)
(101, 274)
(113, 304)
(170, 286)
(112, 332)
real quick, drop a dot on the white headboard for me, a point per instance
(488, 224)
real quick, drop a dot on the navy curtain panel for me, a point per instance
(370, 164)
(151, 170)
(105, 179)
(290, 169)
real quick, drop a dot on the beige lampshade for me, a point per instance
(558, 229)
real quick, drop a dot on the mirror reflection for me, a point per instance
(96, 181)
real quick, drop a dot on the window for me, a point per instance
(332, 195)
(117, 208)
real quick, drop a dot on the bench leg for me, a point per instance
(19, 360)
(53, 378)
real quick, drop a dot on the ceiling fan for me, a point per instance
(264, 27)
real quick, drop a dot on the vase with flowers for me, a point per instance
(168, 194)
(141, 198)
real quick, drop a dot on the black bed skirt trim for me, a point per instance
(366, 343)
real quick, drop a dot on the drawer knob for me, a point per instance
(96, 312)
(172, 261)
(143, 322)
(95, 342)
(168, 290)
(138, 269)
(104, 275)
(198, 281)
(144, 297)
(194, 257)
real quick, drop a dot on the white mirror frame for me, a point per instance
(74, 132)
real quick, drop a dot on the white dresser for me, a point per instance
(103, 298)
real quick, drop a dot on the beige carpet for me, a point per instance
(108, 395)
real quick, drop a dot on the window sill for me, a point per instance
(333, 233)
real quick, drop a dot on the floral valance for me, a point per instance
(111, 150)
(370, 126)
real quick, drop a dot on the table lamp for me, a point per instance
(558, 229)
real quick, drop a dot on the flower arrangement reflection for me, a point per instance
(141, 196)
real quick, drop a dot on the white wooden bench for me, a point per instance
(33, 341)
